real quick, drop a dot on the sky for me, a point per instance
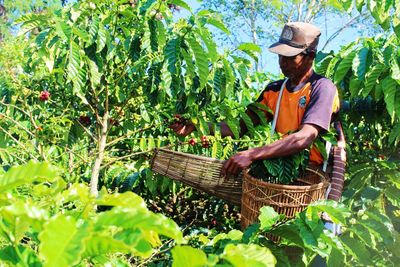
(327, 29)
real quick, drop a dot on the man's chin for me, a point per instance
(287, 74)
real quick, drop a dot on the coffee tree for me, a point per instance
(126, 67)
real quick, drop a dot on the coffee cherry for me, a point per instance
(44, 95)
(192, 142)
(178, 118)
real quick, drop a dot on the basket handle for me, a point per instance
(276, 114)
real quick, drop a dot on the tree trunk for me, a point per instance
(254, 29)
(94, 181)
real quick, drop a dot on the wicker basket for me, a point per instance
(199, 172)
(285, 199)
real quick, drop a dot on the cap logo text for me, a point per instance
(287, 33)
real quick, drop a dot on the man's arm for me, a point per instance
(286, 146)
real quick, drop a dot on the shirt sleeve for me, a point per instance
(320, 108)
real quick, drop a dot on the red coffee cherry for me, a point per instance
(192, 142)
(44, 95)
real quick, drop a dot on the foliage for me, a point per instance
(49, 208)
(367, 71)
(92, 87)
(122, 61)
(384, 12)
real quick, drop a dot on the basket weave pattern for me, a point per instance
(199, 172)
(285, 199)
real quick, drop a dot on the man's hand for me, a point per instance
(237, 163)
(182, 127)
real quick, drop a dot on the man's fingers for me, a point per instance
(176, 127)
(225, 167)
(232, 168)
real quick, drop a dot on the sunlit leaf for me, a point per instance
(67, 248)
(251, 255)
(28, 173)
(187, 256)
(360, 62)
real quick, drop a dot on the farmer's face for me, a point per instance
(295, 66)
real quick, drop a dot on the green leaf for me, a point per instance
(251, 255)
(344, 66)
(360, 63)
(144, 113)
(347, 5)
(389, 87)
(360, 4)
(268, 217)
(260, 114)
(337, 211)
(101, 37)
(21, 216)
(94, 28)
(172, 54)
(74, 61)
(143, 144)
(190, 68)
(310, 231)
(41, 38)
(323, 62)
(95, 75)
(249, 123)
(379, 225)
(250, 49)
(184, 256)
(372, 78)
(201, 61)
(130, 218)
(26, 174)
(9, 255)
(102, 244)
(181, 4)
(140, 242)
(210, 43)
(395, 133)
(396, 25)
(370, 193)
(63, 30)
(214, 20)
(395, 69)
(357, 249)
(153, 34)
(62, 241)
(216, 149)
(233, 125)
(82, 35)
(392, 193)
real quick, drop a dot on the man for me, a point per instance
(307, 105)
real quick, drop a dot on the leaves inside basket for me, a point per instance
(282, 170)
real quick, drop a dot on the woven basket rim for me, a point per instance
(203, 158)
(322, 184)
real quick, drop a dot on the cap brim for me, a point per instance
(285, 50)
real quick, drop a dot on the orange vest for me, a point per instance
(292, 108)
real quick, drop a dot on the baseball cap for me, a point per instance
(296, 37)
